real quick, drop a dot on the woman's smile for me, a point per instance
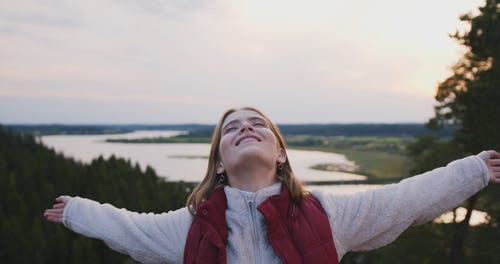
(247, 138)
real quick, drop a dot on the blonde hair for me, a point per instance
(211, 181)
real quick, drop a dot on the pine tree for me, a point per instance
(469, 99)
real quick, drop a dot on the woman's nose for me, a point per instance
(246, 125)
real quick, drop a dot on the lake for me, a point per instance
(188, 162)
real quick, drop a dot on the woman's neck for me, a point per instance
(251, 179)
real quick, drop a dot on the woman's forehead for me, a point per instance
(240, 115)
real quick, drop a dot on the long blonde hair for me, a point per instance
(211, 181)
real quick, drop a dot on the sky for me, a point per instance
(187, 61)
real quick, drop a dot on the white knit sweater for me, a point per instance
(360, 221)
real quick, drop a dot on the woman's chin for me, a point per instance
(253, 153)
(250, 150)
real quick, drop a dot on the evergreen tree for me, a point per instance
(31, 176)
(469, 99)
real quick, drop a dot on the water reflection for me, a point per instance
(181, 161)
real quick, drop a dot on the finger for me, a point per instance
(495, 180)
(494, 157)
(62, 199)
(54, 219)
(495, 177)
(494, 154)
(59, 205)
(54, 211)
(50, 216)
(494, 162)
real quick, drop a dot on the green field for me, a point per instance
(378, 158)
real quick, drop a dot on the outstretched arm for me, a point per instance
(148, 238)
(375, 218)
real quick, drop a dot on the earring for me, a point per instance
(280, 168)
(222, 178)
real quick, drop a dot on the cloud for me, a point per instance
(166, 9)
(41, 13)
(209, 55)
(110, 97)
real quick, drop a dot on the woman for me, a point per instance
(250, 208)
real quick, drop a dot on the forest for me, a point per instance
(32, 176)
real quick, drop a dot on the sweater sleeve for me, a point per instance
(148, 238)
(375, 218)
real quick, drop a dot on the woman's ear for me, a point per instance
(220, 168)
(281, 155)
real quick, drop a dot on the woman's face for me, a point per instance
(247, 137)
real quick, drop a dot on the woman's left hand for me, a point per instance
(55, 214)
(492, 160)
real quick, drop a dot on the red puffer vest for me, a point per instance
(298, 234)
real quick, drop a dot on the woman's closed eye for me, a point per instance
(259, 124)
(235, 125)
(229, 129)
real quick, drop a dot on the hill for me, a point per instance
(31, 176)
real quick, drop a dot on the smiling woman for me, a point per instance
(250, 207)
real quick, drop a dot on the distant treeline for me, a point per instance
(379, 130)
(382, 130)
(55, 129)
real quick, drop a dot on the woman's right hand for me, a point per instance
(492, 160)
(56, 213)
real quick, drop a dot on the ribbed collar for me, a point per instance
(238, 199)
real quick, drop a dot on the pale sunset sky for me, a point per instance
(186, 61)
